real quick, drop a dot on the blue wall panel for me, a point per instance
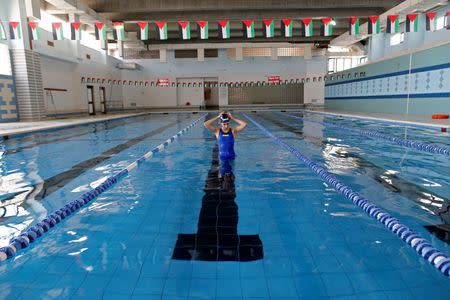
(384, 86)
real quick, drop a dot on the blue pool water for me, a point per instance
(166, 231)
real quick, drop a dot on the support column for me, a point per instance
(239, 54)
(26, 65)
(308, 53)
(274, 53)
(163, 55)
(29, 88)
(200, 54)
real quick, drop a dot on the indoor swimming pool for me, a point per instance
(170, 228)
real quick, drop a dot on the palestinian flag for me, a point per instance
(203, 28)
(162, 30)
(327, 28)
(354, 26)
(392, 24)
(34, 31)
(75, 31)
(100, 31)
(185, 29)
(431, 21)
(224, 29)
(447, 20)
(374, 25)
(307, 27)
(286, 27)
(2, 31)
(15, 31)
(249, 27)
(269, 28)
(412, 23)
(143, 30)
(119, 31)
(57, 29)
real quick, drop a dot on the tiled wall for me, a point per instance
(384, 86)
(8, 100)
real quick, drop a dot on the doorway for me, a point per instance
(91, 100)
(102, 91)
(211, 92)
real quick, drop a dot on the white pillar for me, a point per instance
(200, 54)
(274, 53)
(239, 55)
(163, 55)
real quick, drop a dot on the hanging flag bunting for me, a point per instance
(57, 30)
(412, 23)
(307, 27)
(119, 31)
(2, 31)
(34, 31)
(327, 27)
(143, 30)
(185, 29)
(354, 26)
(203, 28)
(15, 31)
(392, 24)
(100, 31)
(162, 30)
(249, 27)
(431, 21)
(447, 20)
(286, 27)
(224, 29)
(75, 31)
(269, 28)
(374, 25)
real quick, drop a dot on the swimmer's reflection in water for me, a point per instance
(217, 237)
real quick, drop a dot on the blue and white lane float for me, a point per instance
(431, 148)
(37, 230)
(422, 246)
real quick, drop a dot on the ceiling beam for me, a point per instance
(136, 6)
(233, 15)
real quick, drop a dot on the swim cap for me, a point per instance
(224, 118)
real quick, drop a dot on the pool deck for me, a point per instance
(420, 120)
(14, 128)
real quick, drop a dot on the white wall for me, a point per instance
(62, 67)
(226, 70)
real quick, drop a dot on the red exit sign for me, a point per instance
(162, 82)
(274, 79)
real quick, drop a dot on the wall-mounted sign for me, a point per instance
(162, 82)
(274, 79)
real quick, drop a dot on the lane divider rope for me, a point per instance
(39, 229)
(422, 246)
(383, 121)
(431, 148)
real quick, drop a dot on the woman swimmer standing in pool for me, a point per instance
(225, 138)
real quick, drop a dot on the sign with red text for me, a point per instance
(162, 82)
(274, 79)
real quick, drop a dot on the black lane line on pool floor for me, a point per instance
(54, 183)
(105, 125)
(217, 238)
(392, 182)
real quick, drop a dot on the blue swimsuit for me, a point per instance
(226, 145)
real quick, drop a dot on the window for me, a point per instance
(339, 64)
(397, 38)
(5, 62)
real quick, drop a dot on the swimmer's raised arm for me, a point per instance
(208, 123)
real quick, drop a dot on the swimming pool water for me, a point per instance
(316, 243)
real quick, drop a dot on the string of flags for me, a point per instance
(287, 27)
(165, 82)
